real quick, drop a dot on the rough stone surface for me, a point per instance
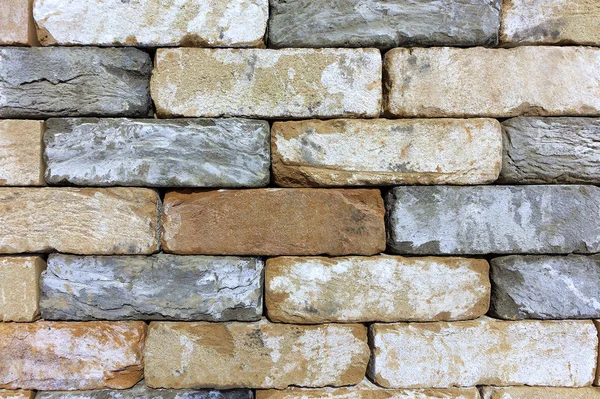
(71, 356)
(346, 152)
(551, 150)
(84, 221)
(155, 23)
(288, 83)
(21, 153)
(6, 394)
(484, 352)
(274, 222)
(452, 82)
(16, 25)
(384, 24)
(60, 81)
(540, 393)
(493, 219)
(158, 287)
(381, 288)
(152, 152)
(19, 292)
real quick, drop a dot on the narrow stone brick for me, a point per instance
(159, 153)
(154, 23)
(16, 25)
(484, 352)
(493, 219)
(381, 288)
(347, 152)
(71, 356)
(452, 82)
(539, 393)
(274, 222)
(21, 153)
(19, 285)
(5, 394)
(288, 83)
(84, 221)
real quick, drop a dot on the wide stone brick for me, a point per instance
(452, 82)
(79, 220)
(19, 394)
(19, 285)
(16, 25)
(71, 356)
(381, 288)
(254, 355)
(288, 83)
(539, 393)
(484, 352)
(21, 153)
(493, 219)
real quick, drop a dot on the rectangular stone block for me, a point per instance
(274, 222)
(348, 152)
(71, 356)
(539, 393)
(254, 355)
(19, 394)
(19, 287)
(21, 153)
(493, 219)
(288, 83)
(157, 287)
(159, 153)
(16, 24)
(86, 221)
(484, 352)
(452, 82)
(380, 288)
(38, 83)
(153, 23)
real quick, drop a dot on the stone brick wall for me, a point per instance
(296, 199)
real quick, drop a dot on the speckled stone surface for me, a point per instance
(540, 393)
(21, 153)
(19, 288)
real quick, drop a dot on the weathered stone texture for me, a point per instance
(348, 152)
(484, 352)
(540, 393)
(493, 219)
(79, 220)
(19, 394)
(71, 356)
(382, 288)
(21, 153)
(551, 150)
(254, 355)
(159, 287)
(155, 23)
(384, 24)
(60, 81)
(274, 222)
(452, 82)
(19, 282)
(152, 152)
(288, 83)
(16, 25)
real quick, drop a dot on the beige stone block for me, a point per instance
(6, 394)
(16, 23)
(19, 285)
(21, 153)
(540, 393)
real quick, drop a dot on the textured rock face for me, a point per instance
(71, 356)
(493, 219)
(274, 222)
(484, 352)
(6, 394)
(21, 153)
(19, 282)
(60, 81)
(539, 393)
(263, 355)
(551, 150)
(347, 152)
(289, 83)
(381, 288)
(384, 24)
(151, 152)
(159, 287)
(202, 23)
(79, 220)
(16, 27)
(451, 82)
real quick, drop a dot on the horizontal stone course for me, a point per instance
(539, 393)
(19, 287)
(21, 153)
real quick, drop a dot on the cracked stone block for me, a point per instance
(19, 287)
(21, 153)
(17, 27)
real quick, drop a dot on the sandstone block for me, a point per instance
(71, 356)
(540, 393)
(380, 288)
(79, 220)
(288, 83)
(254, 355)
(16, 25)
(452, 82)
(19, 285)
(274, 222)
(21, 153)
(493, 219)
(59, 81)
(151, 152)
(6, 394)
(347, 152)
(484, 352)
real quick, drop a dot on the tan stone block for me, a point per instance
(19, 284)
(5, 394)
(597, 379)
(21, 153)
(16, 23)
(540, 393)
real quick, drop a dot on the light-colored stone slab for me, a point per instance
(19, 394)
(16, 23)
(539, 393)
(19, 287)
(21, 153)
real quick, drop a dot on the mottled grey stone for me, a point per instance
(384, 23)
(160, 153)
(41, 82)
(157, 287)
(546, 287)
(493, 219)
(551, 150)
